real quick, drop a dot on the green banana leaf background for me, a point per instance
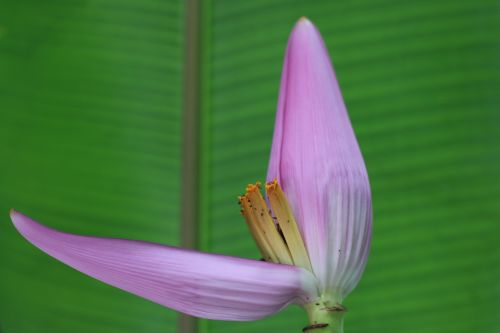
(92, 111)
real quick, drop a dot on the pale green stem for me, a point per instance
(324, 319)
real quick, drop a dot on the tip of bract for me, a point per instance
(15, 216)
(304, 25)
(22, 223)
(303, 20)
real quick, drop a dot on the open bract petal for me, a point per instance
(199, 284)
(316, 159)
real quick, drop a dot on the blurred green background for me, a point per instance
(91, 118)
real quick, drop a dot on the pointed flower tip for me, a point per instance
(303, 20)
(23, 224)
(304, 25)
(17, 218)
(305, 41)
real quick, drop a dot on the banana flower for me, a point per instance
(313, 228)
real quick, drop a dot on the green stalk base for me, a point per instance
(324, 319)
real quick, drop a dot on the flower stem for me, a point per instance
(324, 319)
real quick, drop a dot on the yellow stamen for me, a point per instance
(262, 227)
(288, 225)
(265, 250)
(279, 242)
